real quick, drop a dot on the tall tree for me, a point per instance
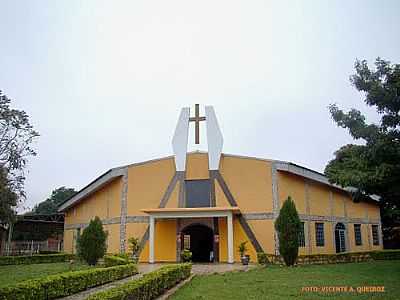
(16, 138)
(373, 167)
(288, 226)
(51, 204)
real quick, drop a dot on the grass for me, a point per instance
(16, 273)
(275, 282)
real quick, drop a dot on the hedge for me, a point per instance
(113, 260)
(345, 257)
(149, 286)
(385, 254)
(65, 284)
(35, 259)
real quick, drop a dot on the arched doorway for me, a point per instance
(340, 237)
(200, 241)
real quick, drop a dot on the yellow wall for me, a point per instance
(239, 236)
(319, 199)
(293, 186)
(112, 237)
(264, 231)
(68, 241)
(105, 203)
(197, 166)
(249, 181)
(147, 184)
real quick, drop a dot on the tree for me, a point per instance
(373, 167)
(8, 199)
(91, 244)
(288, 226)
(16, 137)
(51, 204)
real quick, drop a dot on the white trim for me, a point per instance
(190, 214)
(230, 238)
(215, 140)
(180, 139)
(151, 240)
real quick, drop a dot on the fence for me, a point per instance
(31, 247)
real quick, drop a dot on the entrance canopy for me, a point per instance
(192, 212)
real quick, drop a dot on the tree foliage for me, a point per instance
(373, 167)
(8, 199)
(288, 226)
(16, 138)
(92, 242)
(51, 204)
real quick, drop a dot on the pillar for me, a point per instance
(230, 238)
(151, 240)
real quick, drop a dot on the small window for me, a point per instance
(319, 234)
(302, 242)
(375, 235)
(357, 234)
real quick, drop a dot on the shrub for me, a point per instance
(288, 227)
(149, 286)
(92, 243)
(65, 284)
(385, 254)
(262, 258)
(113, 260)
(186, 255)
(35, 259)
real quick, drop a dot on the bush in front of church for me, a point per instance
(288, 227)
(92, 243)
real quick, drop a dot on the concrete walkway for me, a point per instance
(142, 268)
(197, 269)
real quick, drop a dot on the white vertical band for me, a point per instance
(151, 240)
(230, 238)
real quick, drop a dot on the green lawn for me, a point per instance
(277, 282)
(15, 273)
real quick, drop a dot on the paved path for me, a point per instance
(203, 269)
(142, 268)
(197, 269)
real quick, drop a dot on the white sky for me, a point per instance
(103, 82)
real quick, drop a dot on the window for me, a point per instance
(198, 193)
(186, 241)
(375, 235)
(319, 234)
(357, 234)
(302, 242)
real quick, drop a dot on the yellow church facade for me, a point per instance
(210, 202)
(258, 186)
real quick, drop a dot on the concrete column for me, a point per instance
(230, 238)
(151, 240)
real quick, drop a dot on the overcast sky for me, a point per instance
(103, 82)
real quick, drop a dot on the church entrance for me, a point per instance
(199, 239)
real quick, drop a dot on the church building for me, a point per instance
(210, 202)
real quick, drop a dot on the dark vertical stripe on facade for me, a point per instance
(163, 203)
(225, 189)
(250, 234)
(242, 220)
(168, 192)
(213, 201)
(178, 241)
(181, 199)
